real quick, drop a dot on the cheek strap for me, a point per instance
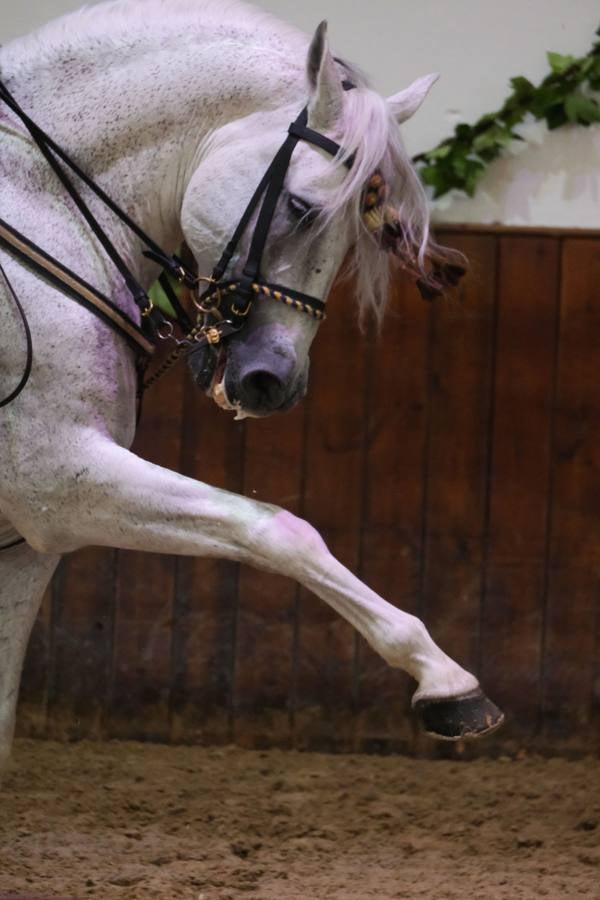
(219, 299)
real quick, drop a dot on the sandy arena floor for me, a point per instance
(133, 821)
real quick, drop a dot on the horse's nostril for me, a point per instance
(261, 390)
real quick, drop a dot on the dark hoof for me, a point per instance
(459, 718)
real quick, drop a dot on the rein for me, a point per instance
(152, 318)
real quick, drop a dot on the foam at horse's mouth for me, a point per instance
(218, 391)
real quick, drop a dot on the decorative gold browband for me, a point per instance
(265, 290)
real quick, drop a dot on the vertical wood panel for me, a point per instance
(392, 523)
(207, 589)
(460, 373)
(525, 359)
(33, 693)
(83, 627)
(459, 398)
(145, 584)
(594, 737)
(266, 611)
(332, 503)
(569, 663)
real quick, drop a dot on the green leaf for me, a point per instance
(484, 122)
(560, 63)
(555, 116)
(459, 165)
(496, 137)
(439, 152)
(593, 74)
(463, 131)
(548, 97)
(522, 87)
(459, 161)
(432, 176)
(582, 109)
(587, 65)
(473, 172)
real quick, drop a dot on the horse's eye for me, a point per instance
(302, 210)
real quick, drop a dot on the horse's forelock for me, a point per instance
(370, 129)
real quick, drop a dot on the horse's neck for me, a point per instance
(134, 100)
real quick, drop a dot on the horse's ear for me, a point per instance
(326, 92)
(407, 102)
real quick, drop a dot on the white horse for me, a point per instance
(176, 107)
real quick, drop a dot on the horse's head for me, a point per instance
(328, 204)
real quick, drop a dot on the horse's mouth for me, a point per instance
(218, 392)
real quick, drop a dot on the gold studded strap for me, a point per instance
(304, 303)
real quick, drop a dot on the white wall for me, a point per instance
(476, 45)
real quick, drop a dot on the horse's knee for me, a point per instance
(285, 543)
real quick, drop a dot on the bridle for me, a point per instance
(223, 306)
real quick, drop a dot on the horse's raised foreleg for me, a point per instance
(24, 575)
(117, 499)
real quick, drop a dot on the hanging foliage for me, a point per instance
(563, 96)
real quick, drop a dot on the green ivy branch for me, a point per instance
(459, 161)
(563, 96)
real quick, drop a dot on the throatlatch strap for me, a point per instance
(265, 216)
(229, 250)
(270, 186)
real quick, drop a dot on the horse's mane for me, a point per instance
(371, 131)
(86, 27)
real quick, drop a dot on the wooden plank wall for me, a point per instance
(454, 463)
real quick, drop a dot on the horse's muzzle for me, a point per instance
(262, 374)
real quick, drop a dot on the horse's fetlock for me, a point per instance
(399, 640)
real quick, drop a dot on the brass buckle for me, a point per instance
(212, 334)
(214, 299)
(242, 312)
